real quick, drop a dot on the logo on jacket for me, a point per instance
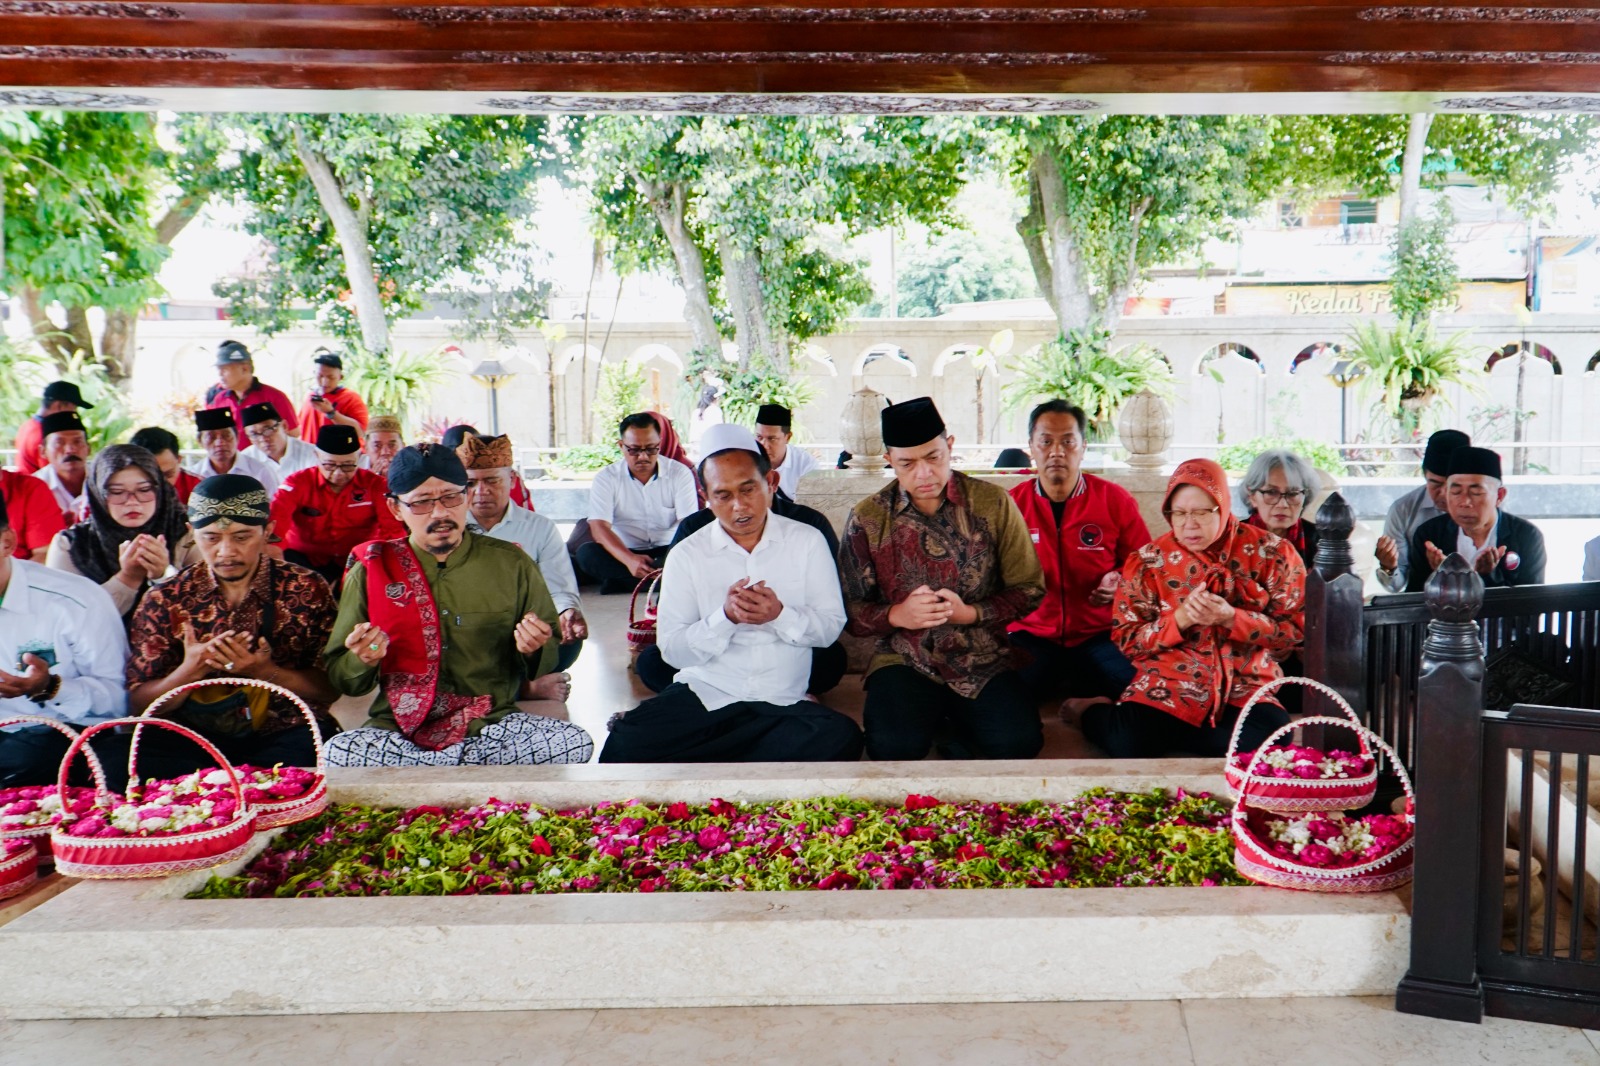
(1512, 560)
(1091, 536)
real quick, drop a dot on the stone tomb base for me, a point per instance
(139, 949)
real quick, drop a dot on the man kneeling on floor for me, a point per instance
(744, 602)
(450, 624)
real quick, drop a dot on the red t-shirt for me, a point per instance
(344, 401)
(324, 525)
(33, 511)
(256, 393)
(1100, 526)
(30, 446)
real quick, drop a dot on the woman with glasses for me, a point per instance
(1277, 489)
(136, 531)
(1204, 613)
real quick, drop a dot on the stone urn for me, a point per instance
(861, 428)
(1144, 428)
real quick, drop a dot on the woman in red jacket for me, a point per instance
(1203, 613)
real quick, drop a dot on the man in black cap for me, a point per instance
(1421, 504)
(775, 434)
(237, 388)
(936, 565)
(240, 613)
(220, 440)
(66, 451)
(330, 403)
(449, 623)
(1502, 548)
(322, 513)
(270, 442)
(58, 396)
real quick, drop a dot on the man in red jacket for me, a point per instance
(1083, 528)
(58, 396)
(323, 512)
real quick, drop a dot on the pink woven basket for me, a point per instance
(1293, 795)
(149, 856)
(270, 814)
(36, 830)
(19, 867)
(642, 627)
(1254, 858)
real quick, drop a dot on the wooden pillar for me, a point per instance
(1442, 981)
(1334, 641)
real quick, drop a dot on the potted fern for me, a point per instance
(1082, 369)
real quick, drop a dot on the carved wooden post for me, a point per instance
(1442, 981)
(1334, 643)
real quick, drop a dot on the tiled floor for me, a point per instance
(1313, 1032)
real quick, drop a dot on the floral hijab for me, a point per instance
(1209, 478)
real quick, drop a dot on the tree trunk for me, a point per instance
(1411, 165)
(49, 335)
(1073, 302)
(669, 204)
(117, 348)
(1030, 228)
(351, 229)
(1519, 459)
(753, 332)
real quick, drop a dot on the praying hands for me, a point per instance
(753, 605)
(1204, 608)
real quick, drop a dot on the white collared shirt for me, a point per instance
(259, 467)
(297, 456)
(541, 540)
(644, 516)
(725, 662)
(70, 504)
(72, 624)
(797, 463)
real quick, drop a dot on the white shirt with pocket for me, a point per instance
(71, 623)
(644, 515)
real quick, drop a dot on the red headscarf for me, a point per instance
(671, 446)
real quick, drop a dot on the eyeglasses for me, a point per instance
(1191, 516)
(262, 431)
(648, 449)
(449, 501)
(143, 494)
(337, 468)
(1273, 495)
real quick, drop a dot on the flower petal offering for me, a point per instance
(1100, 839)
(19, 866)
(36, 809)
(1295, 779)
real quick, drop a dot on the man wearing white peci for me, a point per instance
(744, 601)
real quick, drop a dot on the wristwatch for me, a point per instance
(51, 689)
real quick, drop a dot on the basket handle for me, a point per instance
(1272, 686)
(95, 769)
(647, 585)
(302, 705)
(1249, 773)
(103, 794)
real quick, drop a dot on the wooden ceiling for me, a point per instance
(842, 46)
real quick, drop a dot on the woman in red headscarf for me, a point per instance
(1203, 613)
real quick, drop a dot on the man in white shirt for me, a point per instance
(270, 442)
(489, 462)
(1420, 505)
(62, 656)
(775, 434)
(635, 505)
(66, 469)
(744, 601)
(220, 439)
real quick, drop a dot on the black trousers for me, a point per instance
(33, 756)
(1096, 667)
(827, 668)
(603, 567)
(1140, 731)
(676, 727)
(906, 712)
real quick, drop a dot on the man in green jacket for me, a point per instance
(449, 625)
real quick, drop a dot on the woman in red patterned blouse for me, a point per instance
(1202, 613)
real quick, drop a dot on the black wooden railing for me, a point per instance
(1503, 917)
(1544, 638)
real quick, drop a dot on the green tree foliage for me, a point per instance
(364, 215)
(619, 394)
(749, 212)
(1109, 197)
(961, 266)
(91, 203)
(1424, 276)
(1082, 369)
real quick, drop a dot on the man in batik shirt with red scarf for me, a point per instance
(448, 624)
(935, 566)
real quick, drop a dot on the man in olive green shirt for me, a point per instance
(449, 624)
